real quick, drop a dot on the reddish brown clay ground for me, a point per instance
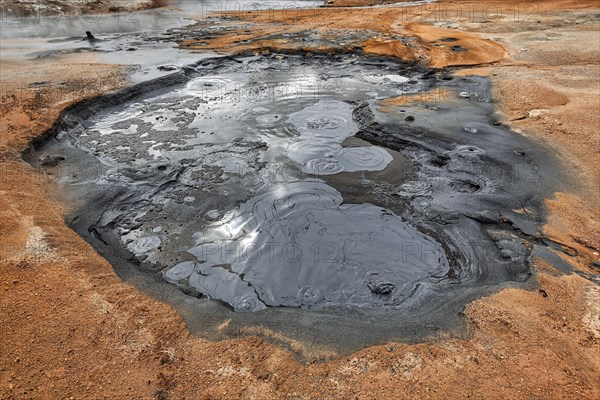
(69, 328)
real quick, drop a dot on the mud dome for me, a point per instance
(280, 191)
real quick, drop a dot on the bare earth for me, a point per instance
(70, 328)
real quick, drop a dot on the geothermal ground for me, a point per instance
(358, 199)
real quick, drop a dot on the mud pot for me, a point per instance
(294, 194)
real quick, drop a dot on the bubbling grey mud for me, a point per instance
(279, 191)
(298, 245)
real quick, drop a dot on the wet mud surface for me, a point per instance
(281, 191)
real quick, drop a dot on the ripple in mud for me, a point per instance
(323, 166)
(298, 238)
(321, 128)
(212, 88)
(324, 122)
(352, 159)
(269, 120)
(365, 159)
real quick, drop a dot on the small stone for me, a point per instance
(381, 287)
(38, 84)
(410, 118)
(51, 161)
(168, 67)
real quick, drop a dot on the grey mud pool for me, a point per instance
(279, 192)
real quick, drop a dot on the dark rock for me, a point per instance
(380, 287)
(410, 118)
(458, 48)
(89, 35)
(440, 160)
(51, 161)
(38, 84)
(429, 74)
(168, 68)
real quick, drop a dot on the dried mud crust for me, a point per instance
(70, 328)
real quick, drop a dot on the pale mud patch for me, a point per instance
(591, 318)
(100, 304)
(37, 246)
(408, 365)
(357, 366)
